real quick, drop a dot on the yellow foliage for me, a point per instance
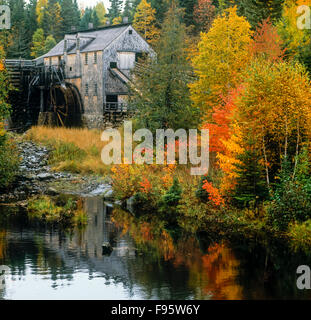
(41, 6)
(228, 160)
(145, 21)
(117, 20)
(222, 54)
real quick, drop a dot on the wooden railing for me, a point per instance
(115, 107)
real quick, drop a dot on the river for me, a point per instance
(50, 263)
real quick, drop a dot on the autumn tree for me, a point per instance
(41, 8)
(49, 43)
(267, 42)
(117, 20)
(204, 14)
(38, 44)
(9, 158)
(4, 88)
(275, 110)
(144, 21)
(101, 13)
(223, 53)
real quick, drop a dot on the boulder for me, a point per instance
(107, 248)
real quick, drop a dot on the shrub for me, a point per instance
(300, 235)
(61, 210)
(291, 200)
(170, 200)
(201, 193)
(9, 161)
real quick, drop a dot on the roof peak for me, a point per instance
(101, 28)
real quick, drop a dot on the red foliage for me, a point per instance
(267, 42)
(220, 130)
(146, 186)
(213, 193)
(204, 14)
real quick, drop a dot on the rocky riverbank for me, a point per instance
(36, 177)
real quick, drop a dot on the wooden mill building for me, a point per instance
(85, 76)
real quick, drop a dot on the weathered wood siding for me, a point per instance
(128, 41)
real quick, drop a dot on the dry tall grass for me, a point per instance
(67, 141)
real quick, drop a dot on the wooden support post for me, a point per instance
(41, 99)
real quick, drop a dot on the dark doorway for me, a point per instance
(111, 102)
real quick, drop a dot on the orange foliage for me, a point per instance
(146, 186)
(213, 193)
(267, 42)
(219, 131)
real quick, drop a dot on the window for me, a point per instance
(126, 60)
(130, 31)
(95, 89)
(95, 57)
(112, 98)
(86, 90)
(86, 58)
(113, 65)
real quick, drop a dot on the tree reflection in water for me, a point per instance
(149, 261)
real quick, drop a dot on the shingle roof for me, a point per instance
(103, 37)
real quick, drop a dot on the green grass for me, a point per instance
(62, 211)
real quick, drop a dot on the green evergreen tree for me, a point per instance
(257, 10)
(161, 7)
(95, 19)
(161, 92)
(88, 18)
(115, 9)
(188, 5)
(70, 15)
(168, 204)
(128, 10)
(31, 23)
(18, 48)
(251, 187)
(54, 20)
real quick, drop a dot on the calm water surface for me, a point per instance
(147, 262)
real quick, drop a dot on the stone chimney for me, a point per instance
(125, 19)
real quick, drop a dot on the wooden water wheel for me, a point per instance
(63, 104)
